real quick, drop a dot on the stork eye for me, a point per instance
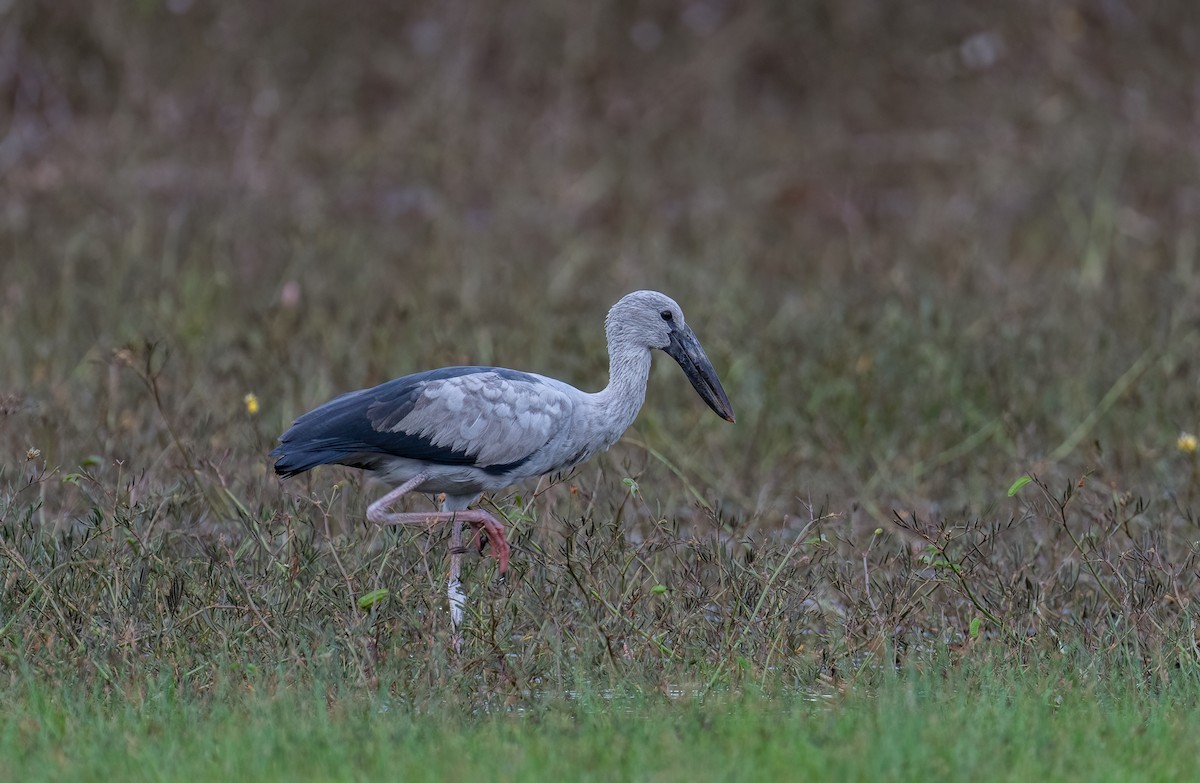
(666, 315)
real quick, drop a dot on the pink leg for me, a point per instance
(377, 512)
(479, 519)
(476, 518)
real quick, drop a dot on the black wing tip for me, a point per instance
(285, 470)
(293, 463)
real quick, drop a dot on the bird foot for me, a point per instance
(489, 531)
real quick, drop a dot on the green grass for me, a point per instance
(1046, 721)
(930, 248)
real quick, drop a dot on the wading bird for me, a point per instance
(463, 431)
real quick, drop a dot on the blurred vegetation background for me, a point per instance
(930, 246)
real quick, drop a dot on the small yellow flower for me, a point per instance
(1187, 443)
(251, 401)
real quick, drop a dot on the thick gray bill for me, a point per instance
(686, 350)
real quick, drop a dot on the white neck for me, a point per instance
(617, 405)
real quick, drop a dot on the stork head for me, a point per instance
(654, 320)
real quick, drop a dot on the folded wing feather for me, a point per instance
(497, 419)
